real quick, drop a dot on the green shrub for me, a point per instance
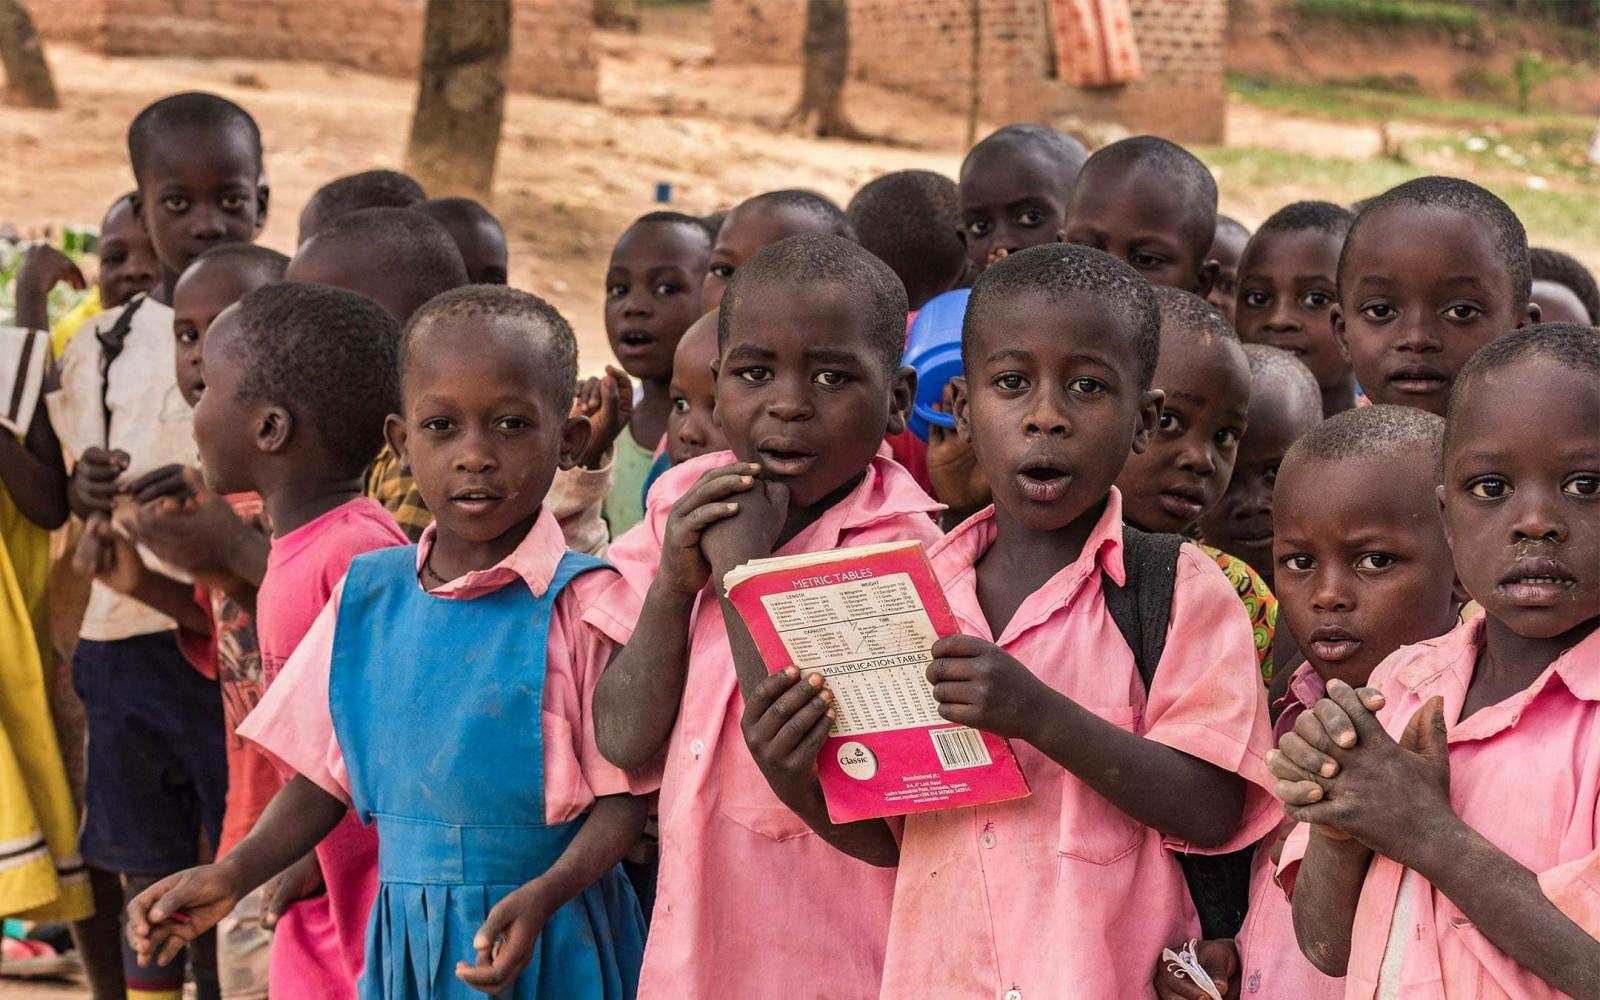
(1425, 14)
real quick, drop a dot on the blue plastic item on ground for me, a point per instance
(933, 348)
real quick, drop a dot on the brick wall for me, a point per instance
(925, 47)
(553, 46)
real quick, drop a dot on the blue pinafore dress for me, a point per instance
(436, 704)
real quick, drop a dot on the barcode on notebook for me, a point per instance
(959, 748)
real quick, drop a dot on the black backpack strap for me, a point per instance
(1219, 884)
(112, 340)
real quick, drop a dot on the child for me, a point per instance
(1076, 883)
(1149, 202)
(515, 890)
(399, 259)
(1015, 185)
(808, 382)
(1227, 246)
(1428, 868)
(1205, 384)
(368, 189)
(1363, 569)
(692, 428)
(1288, 290)
(1284, 403)
(911, 220)
(156, 764)
(478, 235)
(1408, 321)
(216, 280)
(1563, 288)
(763, 220)
(652, 295)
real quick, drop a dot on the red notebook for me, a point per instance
(865, 618)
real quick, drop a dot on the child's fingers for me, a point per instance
(1306, 757)
(949, 692)
(1283, 767)
(698, 520)
(784, 708)
(960, 712)
(768, 691)
(958, 646)
(720, 488)
(795, 732)
(1367, 727)
(805, 752)
(1298, 793)
(1323, 726)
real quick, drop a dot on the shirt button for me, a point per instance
(1011, 994)
(988, 840)
(697, 746)
(1253, 984)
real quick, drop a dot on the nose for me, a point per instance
(638, 303)
(474, 455)
(1417, 336)
(691, 433)
(1047, 416)
(137, 272)
(1255, 500)
(789, 400)
(1198, 459)
(1330, 591)
(1536, 517)
(206, 223)
(1281, 317)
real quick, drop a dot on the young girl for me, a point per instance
(444, 692)
(1452, 839)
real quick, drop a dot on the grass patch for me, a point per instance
(1352, 101)
(1414, 14)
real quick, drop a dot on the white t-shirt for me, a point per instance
(149, 420)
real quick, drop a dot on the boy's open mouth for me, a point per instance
(1419, 379)
(1330, 644)
(785, 457)
(634, 341)
(1043, 483)
(1184, 500)
(1537, 583)
(474, 500)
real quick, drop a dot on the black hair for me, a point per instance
(354, 192)
(1553, 265)
(466, 211)
(415, 248)
(1298, 216)
(1060, 270)
(1455, 194)
(714, 221)
(1573, 345)
(330, 356)
(820, 258)
(1380, 431)
(1170, 160)
(1229, 222)
(693, 222)
(911, 220)
(501, 302)
(248, 257)
(1067, 152)
(1273, 364)
(1188, 312)
(124, 199)
(831, 217)
(190, 110)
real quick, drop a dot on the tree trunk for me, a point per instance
(827, 58)
(461, 97)
(28, 79)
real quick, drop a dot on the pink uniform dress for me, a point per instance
(751, 903)
(1525, 774)
(319, 944)
(1270, 962)
(1062, 895)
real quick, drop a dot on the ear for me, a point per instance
(394, 432)
(958, 408)
(263, 194)
(136, 202)
(716, 394)
(1061, 236)
(1534, 312)
(1149, 416)
(575, 433)
(1207, 277)
(274, 426)
(902, 394)
(961, 234)
(1336, 318)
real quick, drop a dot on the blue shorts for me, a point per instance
(157, 765)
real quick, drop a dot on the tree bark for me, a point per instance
(28, 80)
(461, 96)
(827, 59)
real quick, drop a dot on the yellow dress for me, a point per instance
(41, 875)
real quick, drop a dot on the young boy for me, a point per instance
(911, 220)
(156, 767)
(368, 189)
(1408, 321)
(692, 429)
(1288, 289)
(478, 235)
(763, 220)
(1426, 867)
(1015, 185)
(299, 379)
(1204, 379)
(1151, 203)
(1285, 403)
(399, 259)
(1363, 569)
(1227, 246)
(1563, 288)
(1076, 883)
(808, 383)
(652, 295)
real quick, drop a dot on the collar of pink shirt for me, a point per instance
(534, 561)
(955, 559)
(1306, 688)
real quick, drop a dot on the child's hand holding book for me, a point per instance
(714, 497)
(786, 721)
(978, 684)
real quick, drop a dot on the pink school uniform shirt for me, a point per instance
(294, 723)
(1270, 962)
(750, 902)
(1524, 773)
(1061, 894)
(319, 946)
